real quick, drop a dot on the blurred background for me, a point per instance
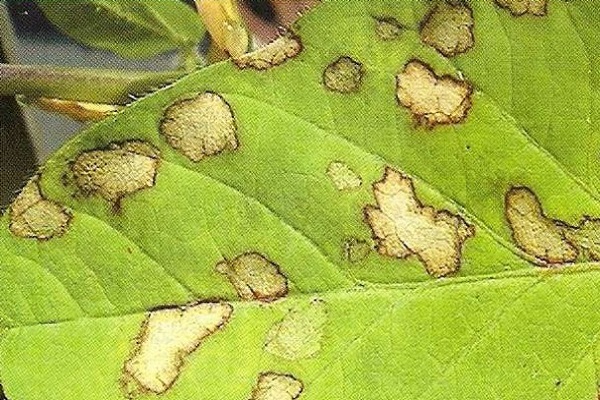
(29, 135)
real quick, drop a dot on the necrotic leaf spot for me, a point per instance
(299, 334)
(432, 99)
(536, 234)
(201, 126)
(344, 75)
(403, 227)
(166, 338)
(449, 28)
(34, 217)
(276, 386)
(550, 241)
(255, 277)
(521, 7)
(355, 250)
(387, 28)
(271, 55)
(117, 171)
(343, 177)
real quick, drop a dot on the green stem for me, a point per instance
(90, 85)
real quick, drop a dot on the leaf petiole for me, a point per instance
(89, 85)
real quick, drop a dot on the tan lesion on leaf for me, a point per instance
(273, 54)
(449, 28)
(343, 177)
(344, 75)
(403, 227)
(586, 237)
(536, 234)
(255, 277)
(432, 99)
(388, 28)
(276, 386)
(201, 126)
(520, 7)
(117, 171)
(299, 334)
(549, 241)
(166, 338)
(34, 217)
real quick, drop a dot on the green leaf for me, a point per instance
(129, 28)
(172, 202)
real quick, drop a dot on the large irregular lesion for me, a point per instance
(34, 217)
(166, 338)
(403, 227)
(255, 277)
(277, 386)
(520, 7)
(201, 126)
(449, 28)
(117, 171)
(549, 241)
(432, 99)
(273, 54)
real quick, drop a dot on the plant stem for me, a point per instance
(90, 85)
(17, 154)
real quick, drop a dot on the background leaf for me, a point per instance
(502, 327)
(130, 28)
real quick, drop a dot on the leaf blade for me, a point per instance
(131, 28)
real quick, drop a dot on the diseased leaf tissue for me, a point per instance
(371, 216)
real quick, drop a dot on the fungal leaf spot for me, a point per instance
(200, 127)
(356, 250)
(275, 386)
(271, 55)
(586, 237)
(550, 241)
(117, 171)
(387, 28)
(299, 334)
(520, 7)
(449, 28)
(431, 99)
(403, 227)
(344, 75)
(34, 217)
(166, 338)
(343, 177)
(254, 277)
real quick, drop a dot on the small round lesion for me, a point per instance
(344, 75)
(388, 28)
(200, 126)
(34, 217)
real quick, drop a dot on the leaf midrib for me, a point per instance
(537, 274)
